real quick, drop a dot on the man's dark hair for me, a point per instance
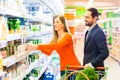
(94, 12)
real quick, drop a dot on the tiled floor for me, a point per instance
(114, 67)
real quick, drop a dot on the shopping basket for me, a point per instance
(72, 73)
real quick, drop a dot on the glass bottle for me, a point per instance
(32, 57)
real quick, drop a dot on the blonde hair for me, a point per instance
(62, 19)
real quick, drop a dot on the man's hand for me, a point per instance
(89, 65)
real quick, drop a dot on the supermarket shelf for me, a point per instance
(39, 33)
(3, 44)
(9, 61)
(16, 36)
(15, 13)
(20, 77)
(9, 12)
(46, 33)
(45, 66)
(34, 33)
(34, 65)
(13, 59)
(11, 37)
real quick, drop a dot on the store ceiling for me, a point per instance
(57, 6)
(94, 3)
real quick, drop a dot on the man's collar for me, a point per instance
(91, 27)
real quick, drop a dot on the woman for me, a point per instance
(62, 42)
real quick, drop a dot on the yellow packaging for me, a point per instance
(3, 28)
(1, 67)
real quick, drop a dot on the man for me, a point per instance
(95, 46)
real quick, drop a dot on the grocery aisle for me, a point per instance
(114, 67)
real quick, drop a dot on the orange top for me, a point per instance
(65, 50)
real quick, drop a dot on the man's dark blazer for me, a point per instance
(95, 48)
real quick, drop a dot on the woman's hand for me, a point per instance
(31, 47)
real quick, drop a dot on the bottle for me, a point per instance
(26, 78)
(4, 52)
(17, 25)
(35, 72)
(10, 25)
(29, 59)
(15, 47)
(11, 47)
(36, 55)
(7, 49)
(3, 28)
(32, 57)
